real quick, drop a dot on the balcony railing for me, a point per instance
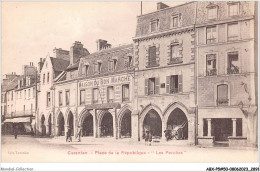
(233, 70)
(153, 63)
(174, 90)
(175, 60)
(211, 72)
(222, 102)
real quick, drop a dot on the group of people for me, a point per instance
(69, 138)
(148, 138)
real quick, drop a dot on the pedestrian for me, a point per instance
(68, 138)
(150, 138)
(15, 132)
(79, 134)
(146, 137)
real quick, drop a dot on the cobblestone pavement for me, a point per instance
(31, 149)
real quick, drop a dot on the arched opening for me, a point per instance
(43, 125)
(126, 124)
(71, 123)
(87, 126)
(178, 122)
(49, 123)
(152, 123)
(107, 125)
(61, 125)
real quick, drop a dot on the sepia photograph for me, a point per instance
(122, 81)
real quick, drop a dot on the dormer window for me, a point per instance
(154, 25)
(97, 67)
(112, 65)
(128, 62)
(212, 11)
(175, 21)
(233, 9)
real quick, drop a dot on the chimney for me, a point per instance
(77, 51)
(161, 5)
(40, 65)
(102, 45)
(61, 54)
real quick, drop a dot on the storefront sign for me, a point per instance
(105, 81)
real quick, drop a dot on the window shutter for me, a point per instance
(157, 85)
(167, 84)
(146, 87)
(180, 85)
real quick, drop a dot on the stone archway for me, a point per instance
(106, 125)
(125, 125)
(43, 127)
(70, 121)
(177, 120)
(87, 125)
(153, 123)
(60, 125)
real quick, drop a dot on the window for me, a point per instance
(154, 25)
(125, 92)
(84, 70)
(110, 94)
(232, 31)
(20, 94)
(67, 97)
(222, 92)
(233, 9)
(29, 91)
(97, 68)
(175, 54)
(233, 63)
(95, 95)
(48, 77)
(82, 97)
(175, 21)
(152, 55)
(60, 98)
(112, 65)
(211, 34)
(151, 86)
(34, 92)
(212, 13)
(24, 94)
(211, 65)
(48, 99)
(174, 84)
(12, 95)
(43, 78)
(128, 62)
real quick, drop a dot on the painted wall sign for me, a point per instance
(105, 81)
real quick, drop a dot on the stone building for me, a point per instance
(164, 49)
(226, 51)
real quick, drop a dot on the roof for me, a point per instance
(11, 85)
(73, 66)
(59, 64)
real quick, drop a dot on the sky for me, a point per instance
(31, 30)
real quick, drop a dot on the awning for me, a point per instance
(221, 113)
(17, 120)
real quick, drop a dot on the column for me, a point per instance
(115, 123)
(209, 127)
(234, 120)
(94, 124)
(57, 130)
(66, 127)
(47, 130)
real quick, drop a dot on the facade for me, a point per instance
(226, 35)
(164, 82)
(21, 102)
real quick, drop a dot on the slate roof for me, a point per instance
(11, 85)
(59, 65)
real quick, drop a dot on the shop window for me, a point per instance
(110, 94)
(125, 92)
(174, 84)
(211, 34)
(95, 95)
(233, 63)
(233, 31)
(60, 98)
(82, 97)
(211, 65)
(222, 95)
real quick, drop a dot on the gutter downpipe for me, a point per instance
(196, 78)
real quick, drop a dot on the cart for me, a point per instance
(176, 133)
